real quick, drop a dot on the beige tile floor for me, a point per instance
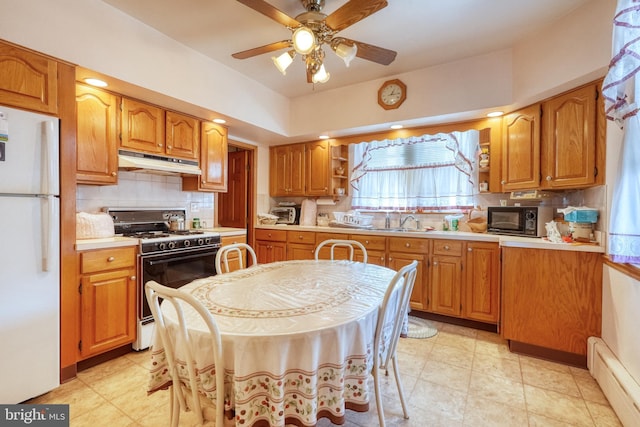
(460, 377)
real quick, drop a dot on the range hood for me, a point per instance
(152, 163)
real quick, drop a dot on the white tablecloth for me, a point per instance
(298, 339)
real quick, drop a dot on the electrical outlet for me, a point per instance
(194, 207)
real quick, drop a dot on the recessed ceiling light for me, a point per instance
(324, 137)
(396, 126)
(219, 121)
(96, 82)
(495, 114)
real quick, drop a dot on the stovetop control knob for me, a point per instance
(187, 243)
(208, 240)
(172, 245)
(201, 241)
(162, 246)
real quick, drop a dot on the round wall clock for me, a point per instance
(392, 94)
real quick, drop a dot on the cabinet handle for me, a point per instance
(366, 242)
(446, 247)
(114, 173)
(408, 245)
(382, 259)
(548, 177)
(469, 249)
(133, 277)
(300, 237)
(111, 259)
(503, 182)
(390, 259)
(435, 263)
(159, 145)
(169, 147)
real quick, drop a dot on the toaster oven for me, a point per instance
(286, 214)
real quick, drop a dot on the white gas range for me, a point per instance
(172, 258)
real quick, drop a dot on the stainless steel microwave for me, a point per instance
(527, 221)
(286, 214)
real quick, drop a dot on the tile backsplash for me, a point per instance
(139, 189)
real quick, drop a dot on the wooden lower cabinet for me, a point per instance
(376, 248)
(301, 245)
(446, 277)
(403, 251)
(271, 245)
(551, 298)
(232, 257)
(482, 282)
(107, 300)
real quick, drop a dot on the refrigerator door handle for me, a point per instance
(48, 216)
(49, 172)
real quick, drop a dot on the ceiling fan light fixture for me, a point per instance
(304, 41)
(283, 61)
(321, 76)
(345, 51)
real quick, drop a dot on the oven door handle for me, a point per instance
(173, 259)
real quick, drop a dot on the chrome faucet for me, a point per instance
(387, 220)
(404, 220)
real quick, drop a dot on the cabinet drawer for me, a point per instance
(400, 244)
(447, 247)
(308, 237)
(322, 236)
(371, 242)
(107, 259)
(230, 240)
(272, 235)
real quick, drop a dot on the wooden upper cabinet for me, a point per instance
(287, 170)
(97, 136)
(28, 80)
(569, 139)
(521, 149)
(213, 160)
(143, 127)
(318, 169)
(182, 136)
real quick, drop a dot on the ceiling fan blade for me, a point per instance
(352, 12)
(271, 12)
(373, 53)
(262, 49)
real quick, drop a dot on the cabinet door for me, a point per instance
(551, 298)
(182, 136)
(521, 149)
(296, 251)
(232, 257)
(108, 311)
(97, 136)
(569, 139)
(278, 171)
(318, 169)
(267, 251)
(28, 80)
(482, 282)
(297, 170)
(402, 251)
(446, 279)
(213, 157)
(142, 127)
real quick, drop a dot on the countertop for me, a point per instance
(505, 241)
(119, 241)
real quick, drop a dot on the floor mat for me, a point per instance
(420, 328)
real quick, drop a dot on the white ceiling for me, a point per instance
(423, 32)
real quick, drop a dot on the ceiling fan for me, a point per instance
(313, 29)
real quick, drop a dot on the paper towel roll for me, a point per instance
(308, 212)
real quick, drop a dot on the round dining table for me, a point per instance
(297, 339)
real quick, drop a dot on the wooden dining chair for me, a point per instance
(184, 391)
(351, 245)
(391, 315)
(228, 252)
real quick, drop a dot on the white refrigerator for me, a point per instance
(29, 255)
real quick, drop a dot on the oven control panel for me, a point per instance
(168, 245)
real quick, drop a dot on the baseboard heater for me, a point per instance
(622, 391)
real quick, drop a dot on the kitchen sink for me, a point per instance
(404, 230)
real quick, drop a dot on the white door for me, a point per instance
(29, 297)
(29, 157)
